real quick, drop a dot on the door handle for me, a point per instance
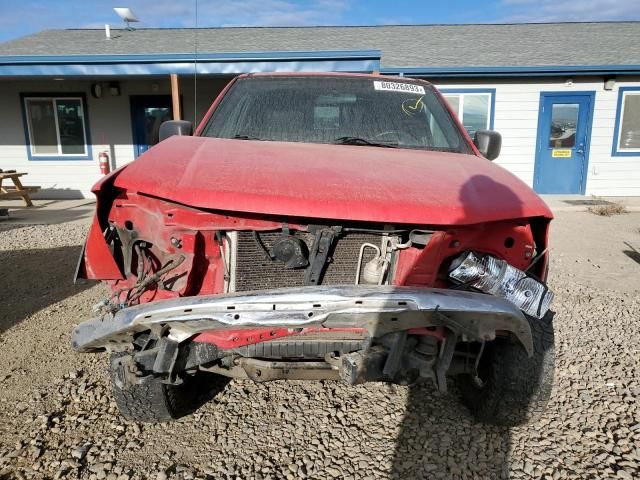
(580, 149)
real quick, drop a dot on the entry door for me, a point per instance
(564, 130)
(147, 113)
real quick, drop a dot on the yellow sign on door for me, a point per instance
(561, 153)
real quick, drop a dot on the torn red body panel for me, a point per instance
(98, 259)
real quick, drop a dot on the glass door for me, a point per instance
(147, 113)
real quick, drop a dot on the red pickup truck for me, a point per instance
(325, 227)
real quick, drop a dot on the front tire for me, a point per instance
(148, 399)
(515, 389)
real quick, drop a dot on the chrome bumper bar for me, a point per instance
(378, 309)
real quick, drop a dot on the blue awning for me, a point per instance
(203, 63)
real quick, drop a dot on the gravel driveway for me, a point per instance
(58, 420)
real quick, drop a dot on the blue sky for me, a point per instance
(18, 18)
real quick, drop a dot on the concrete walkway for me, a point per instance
(47, 212)
(61, 211)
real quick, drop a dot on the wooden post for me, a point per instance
(175, 96)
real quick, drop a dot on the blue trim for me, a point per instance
(87, 132)
(587, 147)
(490, 91)
(513, 71)
(190, 57)
(616, 132)
(185, 63)
(188, 68)
(242, 62)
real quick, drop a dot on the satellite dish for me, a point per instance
(127, 15)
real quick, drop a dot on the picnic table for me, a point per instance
(17, 190)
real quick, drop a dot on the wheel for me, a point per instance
(148, 399)
(512, 388)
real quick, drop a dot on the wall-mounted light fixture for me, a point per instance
(96, 90)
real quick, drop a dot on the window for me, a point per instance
(357, 111)
(564, 121)
(474, 107)
(56, 127)
(626, 138)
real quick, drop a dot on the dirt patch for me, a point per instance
(609, 209)
(591, 250)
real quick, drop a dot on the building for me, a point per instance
(565, 96)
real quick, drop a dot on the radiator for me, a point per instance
(255, 271)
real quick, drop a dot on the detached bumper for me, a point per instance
(378, 309)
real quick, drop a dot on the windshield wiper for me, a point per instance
(362, 141)
(245, 137)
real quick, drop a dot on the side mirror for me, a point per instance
(488, 142)
(174, 127)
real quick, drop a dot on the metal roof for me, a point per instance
(502, 46)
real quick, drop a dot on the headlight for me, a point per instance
(496, 277)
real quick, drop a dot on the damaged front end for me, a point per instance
(268, 298)
(353, 333)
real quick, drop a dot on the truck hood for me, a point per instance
(346, 182)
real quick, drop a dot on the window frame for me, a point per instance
(54, 96)
(615, 148)
(462, 91)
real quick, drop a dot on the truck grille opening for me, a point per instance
(307, 345)
(254, 271)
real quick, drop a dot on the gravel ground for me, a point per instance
(58, 419)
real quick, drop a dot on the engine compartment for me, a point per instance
(149, 249)
(139, 239)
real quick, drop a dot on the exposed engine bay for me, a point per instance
(298, 338)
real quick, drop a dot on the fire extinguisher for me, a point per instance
(103, 160)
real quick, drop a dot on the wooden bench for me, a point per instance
(17, 190)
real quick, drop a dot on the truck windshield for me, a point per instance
(336, 110)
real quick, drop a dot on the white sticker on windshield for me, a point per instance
(398, 87)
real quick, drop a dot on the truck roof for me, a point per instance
(374, 76)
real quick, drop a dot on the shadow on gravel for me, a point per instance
(434, 423)
(202, 388)
(5, 226)
(31, 280)
(438, 439)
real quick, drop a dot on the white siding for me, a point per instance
(109, 123)
(516, 118)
